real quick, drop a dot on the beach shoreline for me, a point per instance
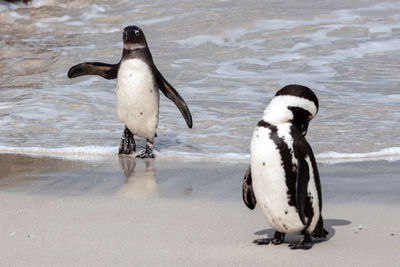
(128, 212)
(68, 199)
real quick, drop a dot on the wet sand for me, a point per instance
(123, 212)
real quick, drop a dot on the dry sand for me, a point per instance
(121, 212)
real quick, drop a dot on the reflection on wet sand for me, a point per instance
(18, 170)
(139, 183)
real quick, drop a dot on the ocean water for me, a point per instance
(226, 58)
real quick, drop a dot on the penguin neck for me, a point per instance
(141, 52)
(134, 46)
(277, 113)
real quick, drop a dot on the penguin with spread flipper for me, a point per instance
(138, 85)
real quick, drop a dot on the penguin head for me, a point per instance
(296, 104)
(133, 38)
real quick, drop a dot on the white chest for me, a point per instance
(138, 97)
(134, 78)
(269, 181)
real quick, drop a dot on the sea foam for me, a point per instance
(102, 153)
(389, 154)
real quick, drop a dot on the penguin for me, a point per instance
(283, 176)
(138, 85)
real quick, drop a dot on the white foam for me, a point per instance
(381, 6)
(34, 4)
(41, 3)
(85, 153)
(201, 39)
(56, 19)
(156, 20)
(225, 157)
(228, 38)
(4, 6)
(100, 152)
(100, 30)
(95, 11)
(70, 153)
(364, 49)
(389, 154)
(14, 16)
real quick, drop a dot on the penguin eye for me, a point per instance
(137, 32)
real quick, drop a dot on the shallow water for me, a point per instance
(226, 58)
(371, 182)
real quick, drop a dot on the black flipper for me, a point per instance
(247, 190)
(303, 176)
(108, 71)
(174, 96)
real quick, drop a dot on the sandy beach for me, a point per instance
(122, 212)
(67, 199)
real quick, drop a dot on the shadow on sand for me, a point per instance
(329, 225)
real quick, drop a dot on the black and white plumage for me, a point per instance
(138, 85)
(283, 177)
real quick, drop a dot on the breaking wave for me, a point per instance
(102, 152)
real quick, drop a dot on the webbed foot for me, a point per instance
(305, 243)
(276, 240)
(147, 153)
(127, 145)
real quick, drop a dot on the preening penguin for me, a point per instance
(138, 85)
(283, 176)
